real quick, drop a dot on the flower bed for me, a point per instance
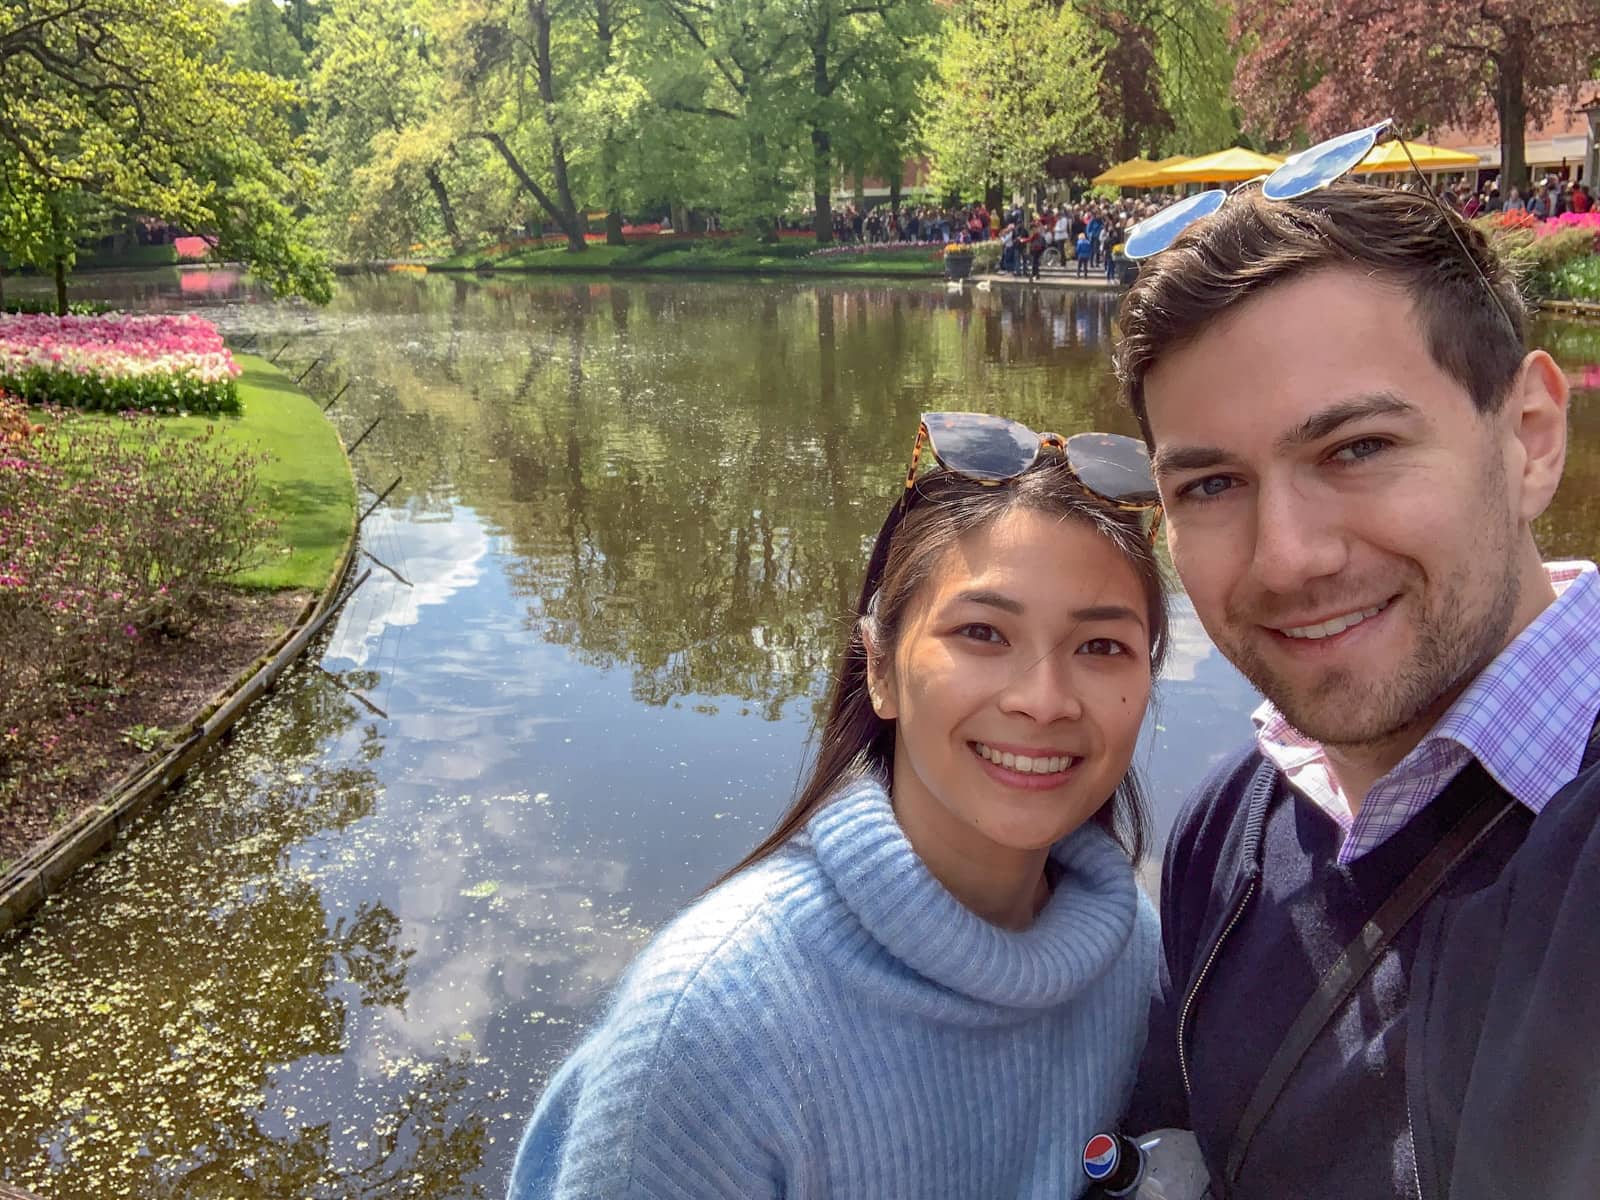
(118, 361)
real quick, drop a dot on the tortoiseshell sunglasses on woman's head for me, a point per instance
(992, 450)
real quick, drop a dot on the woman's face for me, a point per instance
(1018, 685)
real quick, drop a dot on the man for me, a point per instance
(1351, 444)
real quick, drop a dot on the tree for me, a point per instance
(1017, 82)
(507, 72)
(375, 90)
(127, 102)
(867, 64)
(1323, 66)
(749, 72)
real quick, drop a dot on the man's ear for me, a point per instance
(1536, 416)
(880, 680)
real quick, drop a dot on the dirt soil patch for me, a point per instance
(74, 763)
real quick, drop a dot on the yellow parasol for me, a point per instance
(1390, 157)
(1150, 177)
(1114, 176)
(1222, 167)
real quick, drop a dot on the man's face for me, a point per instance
(1340, 514)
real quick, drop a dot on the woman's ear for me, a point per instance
(880, 679)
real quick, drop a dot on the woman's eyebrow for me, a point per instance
(1095, 612)
(1108, 612)
(993, 599)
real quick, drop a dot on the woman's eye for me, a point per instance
(1102, 646)
(1205, 489)
(1359, 449)
(979, 632)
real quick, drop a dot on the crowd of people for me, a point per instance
(1552, 197)
(1085, 232)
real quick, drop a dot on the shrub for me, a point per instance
(109, 531)
(1547, 257)
(46, 306)
(1575, 280)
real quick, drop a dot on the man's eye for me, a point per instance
(1359, 449)
(1205, 489)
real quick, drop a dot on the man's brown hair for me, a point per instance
(1403, 238)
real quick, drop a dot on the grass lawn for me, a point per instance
(714, 255)
(306, 485)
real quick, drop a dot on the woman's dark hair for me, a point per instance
(854, 741)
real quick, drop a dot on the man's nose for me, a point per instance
(1298, 538)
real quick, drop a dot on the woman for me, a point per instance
(932, 978)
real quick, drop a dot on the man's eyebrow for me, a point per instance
(1320, 424)
(1172, 459)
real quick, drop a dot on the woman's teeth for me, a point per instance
(1051, 765)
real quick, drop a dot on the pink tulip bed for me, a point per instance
(118, 361)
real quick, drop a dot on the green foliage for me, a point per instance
(1564, 265)
(36, 304)
(1017, 81)
(1576, 279)
(111, 394)
(128, 105)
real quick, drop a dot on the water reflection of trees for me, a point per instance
(157, 1016)
(688, 475)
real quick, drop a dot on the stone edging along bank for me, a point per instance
(41, 872)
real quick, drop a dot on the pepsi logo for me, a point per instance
(1100, 1156)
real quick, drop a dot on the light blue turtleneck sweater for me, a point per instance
(833, 1023)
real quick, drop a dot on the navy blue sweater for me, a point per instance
(1255, 910)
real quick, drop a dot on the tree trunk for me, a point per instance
(1512, 102)
(539, 14)
(447, 214)
(822, 184)
(2, 287)
(994, 196)
(821, 137)
(605, 34)
(61, 285)
(566, 221)
(895, 171)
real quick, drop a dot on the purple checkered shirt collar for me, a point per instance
(1526, 718)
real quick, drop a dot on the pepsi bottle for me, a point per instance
(1162, 1165)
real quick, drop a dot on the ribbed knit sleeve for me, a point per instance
(675, 1096)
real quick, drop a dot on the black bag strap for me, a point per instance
(1458, 844)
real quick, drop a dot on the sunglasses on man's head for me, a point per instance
(1305, 172)
(992, 451)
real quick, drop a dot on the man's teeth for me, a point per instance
(1337, 625)
(1051, 765)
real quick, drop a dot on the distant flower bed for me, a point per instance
(866, 248)
(118, 361)
(192, 249)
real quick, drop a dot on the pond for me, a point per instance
(578, 684)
